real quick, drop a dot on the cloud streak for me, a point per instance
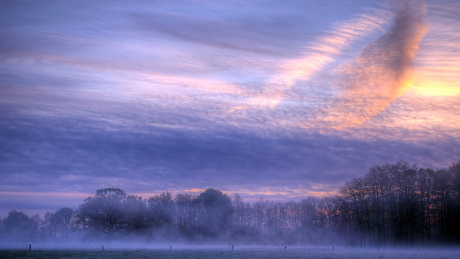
(382, 72)
(320, 53)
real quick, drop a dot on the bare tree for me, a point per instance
(185, 214)
(161, 211)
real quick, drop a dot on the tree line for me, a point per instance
(393, 204)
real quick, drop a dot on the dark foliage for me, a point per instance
(18, 227)
(393, 204)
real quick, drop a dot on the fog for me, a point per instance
(393, 206)
(120, 250)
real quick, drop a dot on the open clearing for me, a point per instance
(240, 252)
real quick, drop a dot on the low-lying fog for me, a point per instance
(140, 250)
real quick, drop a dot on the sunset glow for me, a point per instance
(268, 99)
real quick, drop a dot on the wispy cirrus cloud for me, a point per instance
(316, 56)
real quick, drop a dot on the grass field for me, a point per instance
(239, 252)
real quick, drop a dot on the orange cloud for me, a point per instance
(279, 193)
(382, 72)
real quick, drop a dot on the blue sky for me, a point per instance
(273, 99)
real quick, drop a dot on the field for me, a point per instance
(239, 252)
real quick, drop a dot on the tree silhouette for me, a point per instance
(393, 204)
(17, 226)
(105, 213)
(216, 212)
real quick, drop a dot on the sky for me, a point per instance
(269, 99)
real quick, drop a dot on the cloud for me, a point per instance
(316, 56)
(31, 202)
(85, 153)
(382, 72)
(135, 96)
(437, 64)
(236, 27)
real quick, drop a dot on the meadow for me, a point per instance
(239, 252)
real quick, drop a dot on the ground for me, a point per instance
(239, 252)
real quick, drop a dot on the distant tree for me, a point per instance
(17, 226)
(1, 227)
(381, 191)
(259, 215)
(272, 215)
(186, 214)
(454, 228)
(240, 215)
(105, 213)
(293, 213)
(309, 217)
(355, 194)
(447, 203)
(401, 204)
(426, 208)
(397, 204)
(216, 213)
(60, 223)
(161, 210)
(404, 209)
(137, 215)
